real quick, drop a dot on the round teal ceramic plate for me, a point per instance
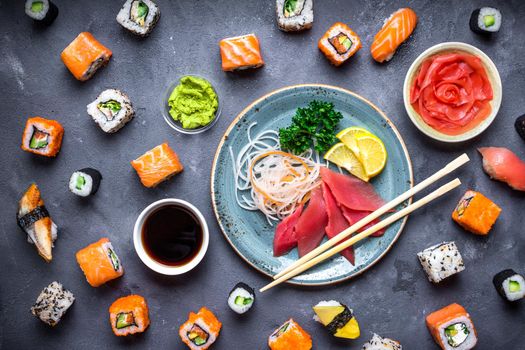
(249, 233)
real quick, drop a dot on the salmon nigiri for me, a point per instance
(395, 31)
(157, 165)
(503, 165)
(241, 52)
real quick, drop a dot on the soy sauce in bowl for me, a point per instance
(172, 235)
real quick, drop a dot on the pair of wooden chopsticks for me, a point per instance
(327, 250)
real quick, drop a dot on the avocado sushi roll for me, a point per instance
(510, 285)
(111, 110)
(139, 16)
(295, 15)
(485, 20)
(242, 298)
(41, 11)
(85, 182)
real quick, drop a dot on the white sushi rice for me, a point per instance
(441, 261)
(86, 188)
(240, 292)
(513, 296)
(123, 18)
(469, 342)
(379, 343)
(52, 303)
(37, 15)
(120, 119)
(304, 20)
(489, 11)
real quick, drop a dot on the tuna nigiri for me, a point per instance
(395, 31)
(285, 238)
(311, 225)
(503, 165)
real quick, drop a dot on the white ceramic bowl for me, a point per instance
(492, 73)
(155, 265)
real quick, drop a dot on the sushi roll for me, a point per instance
(129, 315)
(290, 336)
(510, 285)
(485, 20)
(84, 56)
(379, 343)
(34, 219)
(339, 43)
(139, 16)
(337, 318)
(99, 262)
(41, 11)
(52, 303)
(441, 261)
(111, 110)
(520, 126)
(42, 136)
(242, 298)
(85, 182)
(295, 15)
(157, 165)
(452, 328)
(201, 329)
(240, 52)
(476, 213)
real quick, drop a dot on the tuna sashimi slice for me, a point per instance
(336, 222)
(285, 239)
(351, 192)
(503, 165)
(354, 216)
(310, 227)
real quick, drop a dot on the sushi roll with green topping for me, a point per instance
(486, 20)
(41, 11)
(139, 16)
(111, 110)
(85, 182)
(510, 285)
(241, 298)
(295, 15)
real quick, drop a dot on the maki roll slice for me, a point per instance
(290, 336)
(520, 126)
(452, 328)
(111, 110)
(42, 136)
(485, 20)
(201, 329)
(52, 303)
(242, 298)
(441, 261)
(295, 15)
(85, 182)
(380, 343)
(99, 262)
(139, 16)
(339, 43)
(84, 56)
(337, 318)
(129, 315)
(41, 11)
(510, 285)
(476, 213)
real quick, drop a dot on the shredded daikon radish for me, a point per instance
(270, 180)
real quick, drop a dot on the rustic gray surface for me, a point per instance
(391, 299)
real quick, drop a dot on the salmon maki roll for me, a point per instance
(42, 136)
(396, 29)
(476, 213)
(129, 315)
(452, 328)
(339, 43)
(157, 165)
(201, 329)
(290, 336)
(241, 52)
(84, 56)
(99, 262)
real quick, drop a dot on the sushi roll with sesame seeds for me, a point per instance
(139, 16)
(441, 261)
(52, 303)
(111, 110)
(295, 15)
(379, 343)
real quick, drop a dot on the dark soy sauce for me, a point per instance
(172, 235)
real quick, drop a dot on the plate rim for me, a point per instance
(241, 114)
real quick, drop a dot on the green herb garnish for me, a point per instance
(314, 125)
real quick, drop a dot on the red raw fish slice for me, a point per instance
(354, 216)
(310, 227)
(351, 192)
(503, 165)
(285, 239)
(336, 222)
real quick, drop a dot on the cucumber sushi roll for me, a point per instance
(295, 15)
(486, 20)
(111, 110)
(139, 16)
(241, 298)
(85, 182)
(42, 11)
(510, 285)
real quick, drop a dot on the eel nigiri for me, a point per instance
(503, 165)
(395, 31)
(34, 219)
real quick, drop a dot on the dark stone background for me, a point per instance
(391, 299)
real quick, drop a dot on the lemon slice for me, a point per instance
(372, 153)
(341, 155)
(348, 137)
